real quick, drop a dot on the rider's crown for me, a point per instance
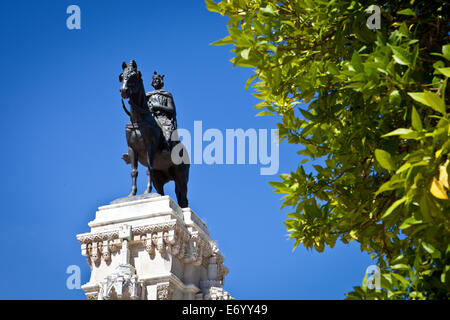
(156, 75)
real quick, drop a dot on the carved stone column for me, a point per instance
(147, 247)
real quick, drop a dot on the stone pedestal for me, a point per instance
(148, 248)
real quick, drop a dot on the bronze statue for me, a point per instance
(145, 135)
(162, 106)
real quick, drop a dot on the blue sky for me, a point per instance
(62, 137)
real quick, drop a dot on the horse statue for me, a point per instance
(146, 141)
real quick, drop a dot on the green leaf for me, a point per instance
(212, 6)
(294, 215)
(445, 71)
(393, 207)
(384, 159)
(407, 12)
(398, 132)
(435, 102)
(425, 207)
(400, 266)
(269, 10)
(261, 105)
(249, 81)
(306, 114)
(415, 120)
(264, 113)
(356, 63)
(401, 56)
(279, 186)
(446, 51)
(401, 279)
(245, 53)
(411, 221)
(431, 250)
(332, 69)
(394, 98)
(404, 167)
(429, 99)
(224, 41)
(387, 186)
(418, 96)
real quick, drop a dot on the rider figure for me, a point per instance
(161, 104)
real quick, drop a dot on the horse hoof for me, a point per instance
(126, 158)
(132, 193)
(148, 191)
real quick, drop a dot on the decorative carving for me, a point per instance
(94, 253)
(172, 225)
(164, 291)
(175, 250)
(92, 237)
(160, 245)
(182, 251)
(91, 292)
(149, 246)
(106, 254)
(164, 226)
(170, 236)
(112, 246)
(92, 296)
(217, 293)
(198, 259)
(123, 284)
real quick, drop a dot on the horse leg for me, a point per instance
(158, 182)
(134, 170)
(181, 180)
(149, 168)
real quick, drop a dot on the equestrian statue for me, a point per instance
(151, 134)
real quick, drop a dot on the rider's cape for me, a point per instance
(161, 91)
(168, 95)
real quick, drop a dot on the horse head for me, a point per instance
(131, 79)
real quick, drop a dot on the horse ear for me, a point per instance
(154, 72)
(124, 65)
(120, 77)
(133, 64)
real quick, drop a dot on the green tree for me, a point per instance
(370, 104)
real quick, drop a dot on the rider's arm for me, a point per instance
(170, 108)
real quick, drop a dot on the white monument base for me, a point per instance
(151, 249)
